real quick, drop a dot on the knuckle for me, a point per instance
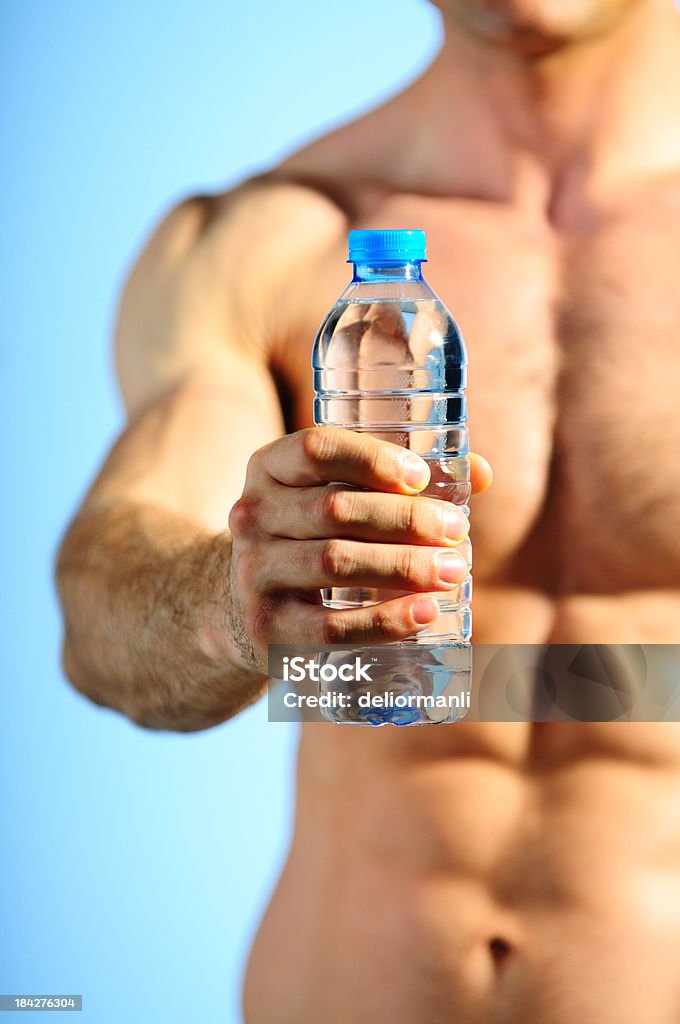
(385, 459)
(243, 515)
(411, 517)
(371, 452)
(318, 443)
(337, 507)
(405, 564)
(385, 626)
(333, 629)
(337, 559)
(323, 507)
(234, 518)
(247, 568)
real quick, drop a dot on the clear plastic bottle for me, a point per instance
(389, 360)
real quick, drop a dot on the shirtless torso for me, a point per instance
(479, 872)
(514, 872)
(497, 873)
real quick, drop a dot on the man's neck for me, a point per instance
(592, 116)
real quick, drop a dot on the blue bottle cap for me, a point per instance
(374, 246)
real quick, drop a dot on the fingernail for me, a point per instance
(425, 609)
(455, 524)
(416, 472)
(451, 568)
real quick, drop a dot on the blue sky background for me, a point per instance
(134, 866)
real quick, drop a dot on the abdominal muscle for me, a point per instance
(472, 872)
(482, 872)
(500, 873)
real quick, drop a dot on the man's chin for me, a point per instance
(536, 27)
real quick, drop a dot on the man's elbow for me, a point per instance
(108, 661)
(86, 657)
(146, 706)
(85, 679)
(74, 671)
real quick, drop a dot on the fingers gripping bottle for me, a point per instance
(389, 360)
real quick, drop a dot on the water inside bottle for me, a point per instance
(390, 361)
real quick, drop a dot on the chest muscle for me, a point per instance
(574, 389)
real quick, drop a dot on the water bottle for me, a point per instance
(389, 360)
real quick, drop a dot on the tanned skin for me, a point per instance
(468, 873)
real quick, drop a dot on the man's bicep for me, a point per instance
(188, 451)
(197, 389)
(198, 321)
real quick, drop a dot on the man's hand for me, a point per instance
(328, 507)
(157, 623)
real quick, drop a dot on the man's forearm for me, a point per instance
(145, 596)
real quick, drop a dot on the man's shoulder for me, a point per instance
(209, 280)
(264, 211)
(260, 230)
